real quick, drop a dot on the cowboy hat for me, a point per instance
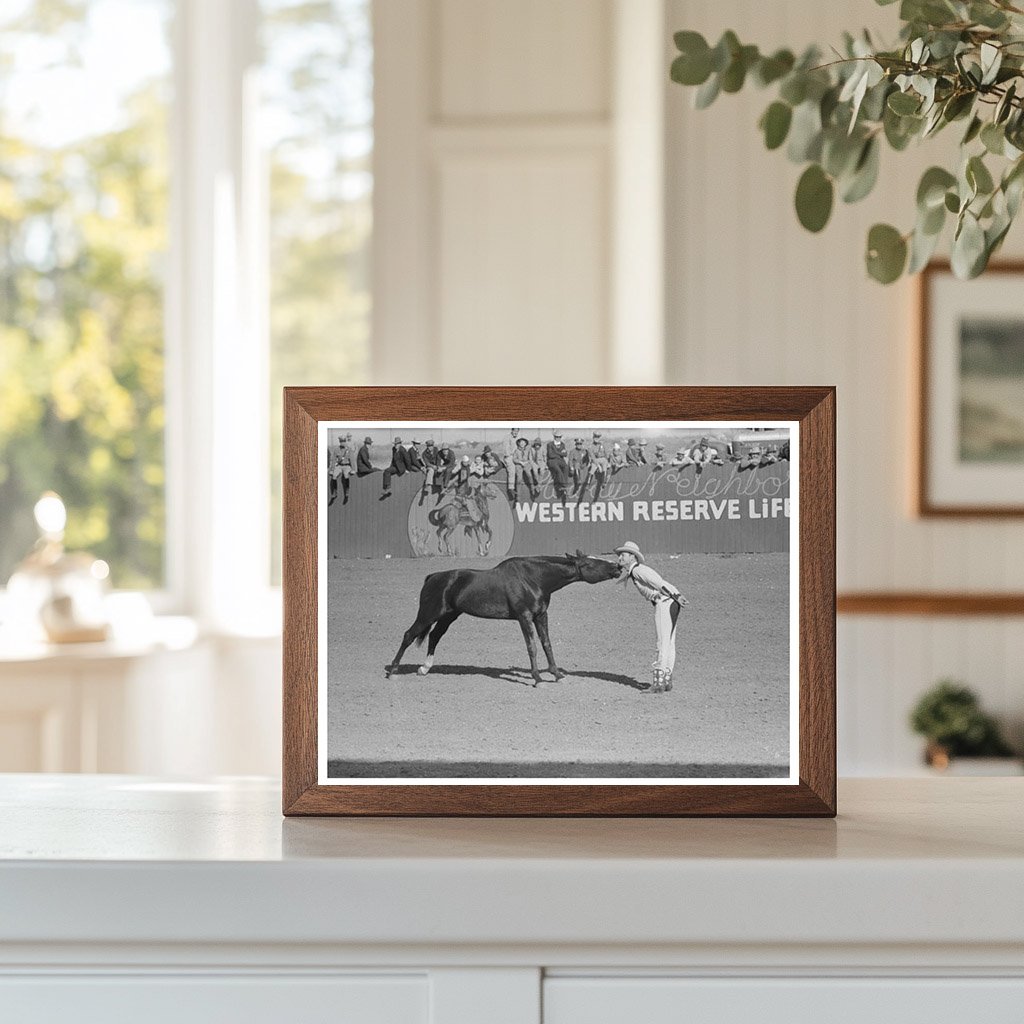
(631, 548)
(367, 440)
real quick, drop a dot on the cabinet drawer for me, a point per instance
(656, 1000)
(202, 999)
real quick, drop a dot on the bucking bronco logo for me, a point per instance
(474, 521)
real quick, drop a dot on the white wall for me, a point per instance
(754, 299)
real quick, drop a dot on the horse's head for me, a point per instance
(593, 570)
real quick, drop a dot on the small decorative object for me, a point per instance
(970, 450)
(957, 61)
(474, 579)
(55, 594)
(950, 717)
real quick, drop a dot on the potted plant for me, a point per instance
(950, 717)
(955, 62)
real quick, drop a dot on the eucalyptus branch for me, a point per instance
(834, 116)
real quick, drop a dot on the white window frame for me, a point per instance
(217, 352)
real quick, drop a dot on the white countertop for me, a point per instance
(122, 859)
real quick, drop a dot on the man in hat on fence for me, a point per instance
(364, 466)
(558, 465)
(667, 602)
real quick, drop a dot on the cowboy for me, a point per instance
(660, 458)
(635, 452)
(400, 465)
(364, 467)
(597, 459)
(578, 463)
(490, 461)
(535, 466)
(340, 464)
(558, 465)
(667, 602)
(445, 466)
(521, 460)
(429, 457)
(508, 448)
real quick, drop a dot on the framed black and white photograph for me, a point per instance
(526, 612)
(970, 451)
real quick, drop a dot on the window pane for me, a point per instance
(318, 130)
(84, 97)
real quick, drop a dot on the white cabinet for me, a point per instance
(823, 1000)
(202, 999)
(133, 898)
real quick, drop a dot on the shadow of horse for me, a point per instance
(522, 676)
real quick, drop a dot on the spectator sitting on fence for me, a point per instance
(634, 453)
(364, 467)
(618, 458)
(521, 460)
(752, 459)
(490, 461)
(339, 463)
(508, 449)
(429, 457)
(577, 460)
(535, 466)
(597, 459)
(445, 468)
(660, 457)
(400, 465)
(783, 452)
(558, 465)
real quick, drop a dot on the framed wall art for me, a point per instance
(559, 601)
(970, 443)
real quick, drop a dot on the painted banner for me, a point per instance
(724, 509)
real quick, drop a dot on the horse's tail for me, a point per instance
(436, 516)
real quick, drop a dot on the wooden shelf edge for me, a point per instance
(928, 603)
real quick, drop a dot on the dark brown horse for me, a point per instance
(518, 588)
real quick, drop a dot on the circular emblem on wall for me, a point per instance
(475, 524)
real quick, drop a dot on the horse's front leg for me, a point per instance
(541, 621)
(526, 624)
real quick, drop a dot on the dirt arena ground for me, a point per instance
(478, 714)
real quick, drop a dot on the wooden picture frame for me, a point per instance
(310, 414)
(962, 448)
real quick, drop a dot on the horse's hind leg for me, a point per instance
(541, 621)
(417, 631)
(439, 630)
(526, 624)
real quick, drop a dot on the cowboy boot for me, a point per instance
(656, 686)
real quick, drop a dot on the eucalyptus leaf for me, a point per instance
(805, 133)
(886, 253)
(993, 138)
(903, 103)
(707, 93)
(771, 69)
(865, 173)
(968, 247)
(931, 190)
(952, 202)
(973, 129)
(922, 248)
(814, 195)
(978, 176)
(724, 51)
(775, 124)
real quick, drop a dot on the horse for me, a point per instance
(456, 513)
(517, 588)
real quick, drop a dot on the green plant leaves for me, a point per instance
(887, 253)
(969, 254)
(865, 173)
(956, 60)
(693, 65)
(775, 122)
(814, 195)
